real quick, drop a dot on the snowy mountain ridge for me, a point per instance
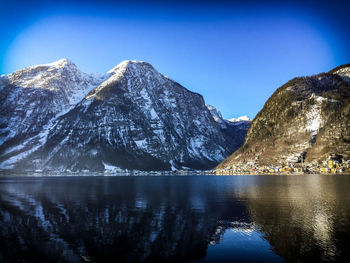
(55, 117)
(54, 76)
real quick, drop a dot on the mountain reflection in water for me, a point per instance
(175, 219)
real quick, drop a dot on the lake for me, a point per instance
(175, 219)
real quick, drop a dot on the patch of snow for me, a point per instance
(109, 167)
(239, 119)
(344, 73)
(141, 143)
(141, 203)
(14, 149)
(120, 67)
(58, 64)
(172, 166)
(293, 158)
(319, 99)
(93, 152)
(153, 113)
(215, 113)
(314, 119)
(9, 163)
(313, 115)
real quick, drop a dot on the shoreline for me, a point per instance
(20, 173)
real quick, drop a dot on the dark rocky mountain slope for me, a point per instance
(306, 121)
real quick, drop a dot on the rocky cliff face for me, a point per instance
(235, 128)
(55, 117)
(306, 120)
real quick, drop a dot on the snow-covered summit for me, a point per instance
(239, 119)
(61, 76)
(121, 66)
(60, 63)
(129, 64)
(137, 72)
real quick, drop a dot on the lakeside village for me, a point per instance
(332, 166)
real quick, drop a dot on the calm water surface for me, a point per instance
(175, 219)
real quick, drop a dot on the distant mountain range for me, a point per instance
(305, 122)
(54, 117)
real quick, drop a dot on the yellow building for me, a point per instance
(323, 170)
(286, 169)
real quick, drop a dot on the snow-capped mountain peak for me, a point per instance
(61, 63)
(139, 76)
(122, 66)
(37, 69)
(61, 76)
(239, 119)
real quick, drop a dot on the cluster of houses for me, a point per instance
(331, 166)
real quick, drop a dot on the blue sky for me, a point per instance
(234, 54)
